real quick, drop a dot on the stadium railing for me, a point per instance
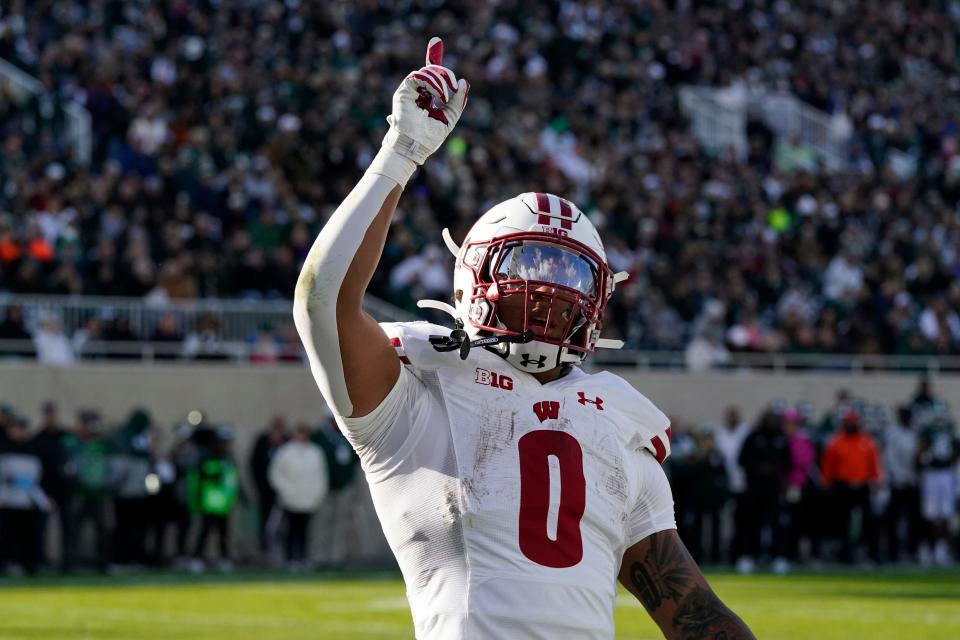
(79, 125)
(245, 351)
(782, 362)
(719, 117)
(237, 320)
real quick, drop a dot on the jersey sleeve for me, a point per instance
(382, 436)
(386, 438)
(653, 509)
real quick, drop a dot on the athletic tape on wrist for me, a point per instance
(391, 164)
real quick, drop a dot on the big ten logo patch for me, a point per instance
(494, 379)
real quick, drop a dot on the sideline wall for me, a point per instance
(247, 397)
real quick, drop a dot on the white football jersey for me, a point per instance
(509, 503)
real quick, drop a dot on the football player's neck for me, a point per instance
(554, 374)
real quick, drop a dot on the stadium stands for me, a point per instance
(224, 134)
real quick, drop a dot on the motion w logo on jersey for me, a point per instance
(547, 410)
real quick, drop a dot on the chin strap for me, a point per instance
(458, 339)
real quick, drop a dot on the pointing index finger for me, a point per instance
(435, 51)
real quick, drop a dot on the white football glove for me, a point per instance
(426, 107)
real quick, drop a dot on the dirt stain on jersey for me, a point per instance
(496, 435)
(420, 536)
(425, 575)
(616, 481)
(453, 504)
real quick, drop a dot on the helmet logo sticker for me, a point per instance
(526, 361)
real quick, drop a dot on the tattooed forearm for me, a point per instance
(662, 575)
(701, 616)
(666, 580)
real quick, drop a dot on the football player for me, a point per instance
(513, 488)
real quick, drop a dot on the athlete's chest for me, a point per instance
(542, 455)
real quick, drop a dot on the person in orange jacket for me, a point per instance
(851, 469)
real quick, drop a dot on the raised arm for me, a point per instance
(350, 356)
(659, 571)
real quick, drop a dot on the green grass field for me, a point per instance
(872, 606)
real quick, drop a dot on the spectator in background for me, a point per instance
(21, 499)
(938, 450)
(205, 342)
(765, 458)
(830, 424)
(291, 349)
(802, 497)
(129, 468)
(161, 503)
(729, 441)
(900, 461)
(298, 473)
(940, 325)
(49, 445)
(924, 397)
(168, 336)
(214, 490)
(707, 349)
(337, 510)
(87, 338)
(119, 332)
(264, 449)
(851, 469)
(87, 469)
(185, 456)
(264, 348)
(683, 481)
(13, 328)
(422, 275)
(52, 345)
(708, 495)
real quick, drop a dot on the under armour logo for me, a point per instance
(583, 399)
(526, 361)
(547, 410)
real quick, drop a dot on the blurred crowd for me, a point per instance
(862, 483)
(89, 497)
(224, 134)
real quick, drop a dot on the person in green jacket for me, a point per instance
(213, 491)
(87, 468)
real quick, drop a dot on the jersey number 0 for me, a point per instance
(535, 542)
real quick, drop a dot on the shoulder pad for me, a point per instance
(411, 340)
(645, 426)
